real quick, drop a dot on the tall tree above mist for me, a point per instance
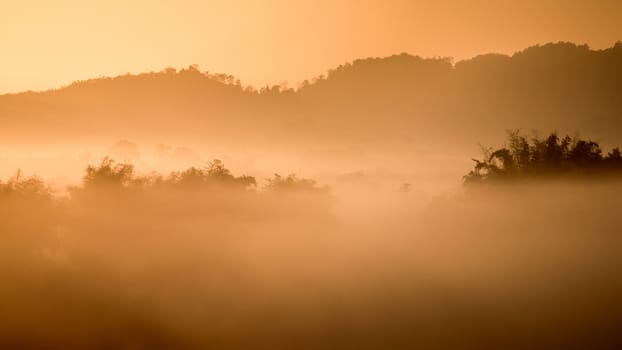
(539, 158)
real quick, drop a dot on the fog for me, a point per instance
(125, 261)
(182, 210)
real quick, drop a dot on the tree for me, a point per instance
(550, 156)
(108, 173)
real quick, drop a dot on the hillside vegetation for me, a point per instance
(371, 102)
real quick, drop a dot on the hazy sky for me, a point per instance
(48, 43)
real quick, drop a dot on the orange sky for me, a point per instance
(50, 43)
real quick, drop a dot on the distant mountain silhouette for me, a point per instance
(403, 98)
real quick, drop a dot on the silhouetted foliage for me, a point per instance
(112, 174)
(214, 173)
(29, 187)
(109, 173)
(292, 183)
(552, 156)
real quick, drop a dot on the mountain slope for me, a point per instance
(401, 98)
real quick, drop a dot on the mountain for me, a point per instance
(400, 100)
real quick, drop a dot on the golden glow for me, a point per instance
(46, 44)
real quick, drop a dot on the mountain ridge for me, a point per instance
(229, 79)
(557, 86)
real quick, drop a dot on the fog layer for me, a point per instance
(199, 259)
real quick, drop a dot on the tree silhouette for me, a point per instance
(552, 156)
(215, 173)
(108, 173)
(292, 183)
(28, 187)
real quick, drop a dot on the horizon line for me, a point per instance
(299, 84)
